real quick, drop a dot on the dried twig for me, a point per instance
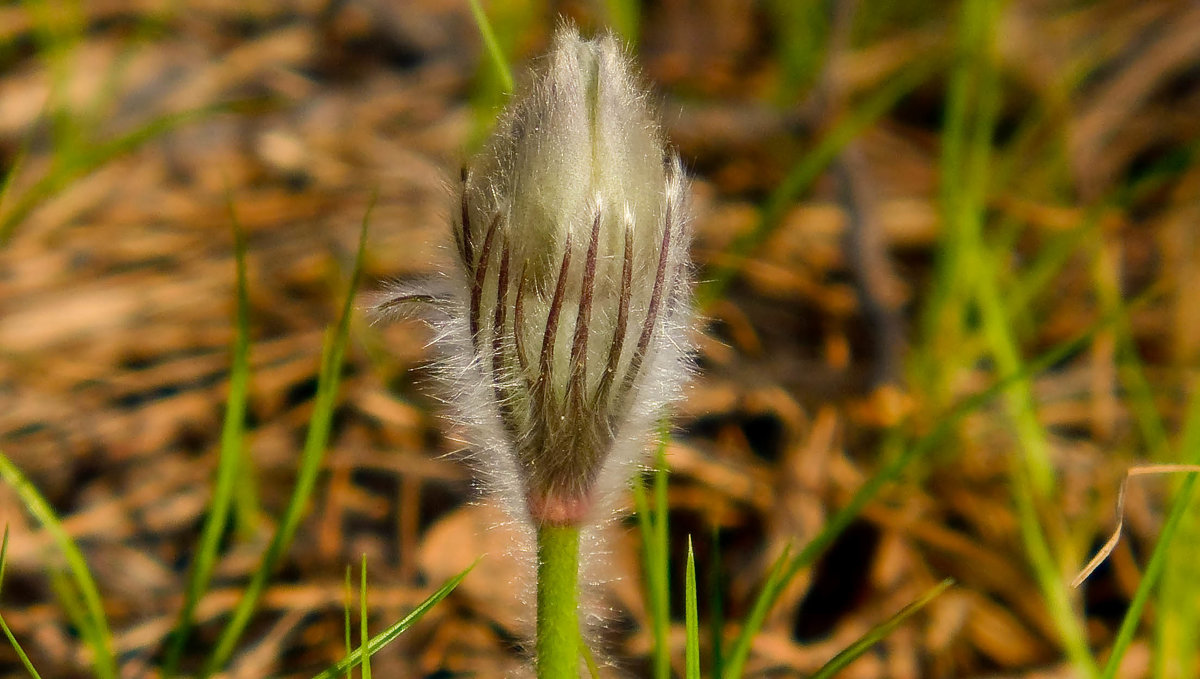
(1111, 544)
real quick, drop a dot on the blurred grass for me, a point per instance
(787, 567)
(363, 620)
(656, 555)
(808, 168)
(346, 620)
(494, 51)
(625, 19)
(1173, 646)
(89, 614)
(306, 477)
(878, 632)
(508, 23)
(230, 460)
(12, 640)
(79, 145)
(966, 279)
(389, 635)
(691, 618)
(981, 313)
(802, 31)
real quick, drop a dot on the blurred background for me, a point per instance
(949, 246)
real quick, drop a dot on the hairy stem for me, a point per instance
(557, 600)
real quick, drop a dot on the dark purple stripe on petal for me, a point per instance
(480, 277)
(463, 236)
(548, 339)
(578, 378)
(639, 354)
(618, 338)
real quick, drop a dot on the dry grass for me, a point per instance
(116, 299)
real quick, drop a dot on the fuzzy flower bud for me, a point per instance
(570, 319)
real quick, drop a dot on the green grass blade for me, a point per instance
(16, 646)
(804, 173)
(692, 618)
(12, 640)
(1154, 570)
(967, 283)
(306, 478)
(624, 16)
(3, 557)
(589, 659)
(877, 633)
(72, 604)
(346, 617)
(229, 461)
(1133, 375)
(100, 639)
(387, 636)
(1158, 558)
(363, 617)
(247, 513)
(969, 117)
(1033, 474)
(652, 520)
(772, 588)
(13, 171)
(1175, 625)
(492, 45)
(716, 608)
(801, 41)
(650, 557)
(778, 579)
(1029, 478)
(662, 538)
(62, 174)
(58, 32)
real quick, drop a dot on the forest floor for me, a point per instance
(848, 269)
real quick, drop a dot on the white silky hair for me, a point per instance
(562, 330)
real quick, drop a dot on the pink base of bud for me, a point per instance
(558, 510)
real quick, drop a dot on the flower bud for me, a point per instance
(572, 238)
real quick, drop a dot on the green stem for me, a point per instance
(557, 601)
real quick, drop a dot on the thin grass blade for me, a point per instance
(624, 16)
(103, 661)
(589, 659)
(921, 448)
(801, 36)
(310, 464)
(716, 608)
(346, 617)
(379, 641)
(72, 604)
(772, 588)
(661, 537)
(974, 286)
(492, 45)
(878, 632)
(229, 460)
(652, 520)
(13, 171)
(650, 557)
(1180, 505)
(21, 655)
(363, 618)
(3, 557)
(692, 618)
(804, 173)
(12, 640)
(61, 175)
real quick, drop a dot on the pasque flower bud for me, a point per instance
(566, 332)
